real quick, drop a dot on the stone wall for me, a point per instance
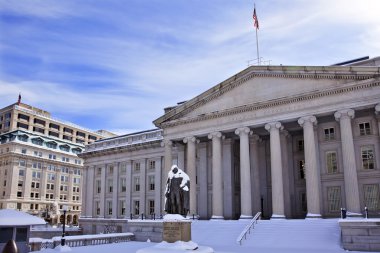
(146, 229)
(360, 235)
(103, 226)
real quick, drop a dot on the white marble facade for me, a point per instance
(290, 141)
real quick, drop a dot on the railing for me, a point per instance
(37, 244)
(247, 229)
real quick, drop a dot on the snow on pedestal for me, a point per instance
(60, 248)
(175, 217)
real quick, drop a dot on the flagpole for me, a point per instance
(257, 48)
(256, 25)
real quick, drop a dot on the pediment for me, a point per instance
(260, 85)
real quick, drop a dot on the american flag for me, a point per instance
(255, 20)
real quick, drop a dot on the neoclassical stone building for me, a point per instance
(290, 141)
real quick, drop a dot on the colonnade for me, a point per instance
(250, 190)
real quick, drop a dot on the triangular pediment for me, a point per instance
(263, 84)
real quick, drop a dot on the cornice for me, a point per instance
(266, 104)
(120, 149)
(299, 72)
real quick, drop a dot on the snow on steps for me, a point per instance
(312, 235)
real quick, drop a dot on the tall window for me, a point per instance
(109, 205)
(97, 207)
(137, 207)
(368, 162)
(137, 167)
(151, 206)
(123, 167)
(300, 145)
(122, 207)
(110, 170)
(371, 196)
(301, 169)
(152, 165)
(110, 185)
(332, 166)
(365, 128)
(137, 184)
(98, 186)
(151, 183)
(334, 198)
(329, 134)
(123, 184)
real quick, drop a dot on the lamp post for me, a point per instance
(64, 225)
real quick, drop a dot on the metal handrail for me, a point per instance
(247, 229)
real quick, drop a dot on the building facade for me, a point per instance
(289, 141)
(40, 170)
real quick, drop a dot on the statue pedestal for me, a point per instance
(176, 231)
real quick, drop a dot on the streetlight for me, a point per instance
(64, 225)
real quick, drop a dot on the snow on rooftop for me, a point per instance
(10, 217)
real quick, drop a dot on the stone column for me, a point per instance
(129, 184)
(103, 191)
(87, 189)
(157, 182)
(168, 164)
(180, 156)
(191, 171)
(229, 208)
(217, 186)
(115, 190)
(202, 180)
(377, 112)
(143, 187)
(276, 170)
(311, 167)
(245, 174)
(349, 162)
(255, 168)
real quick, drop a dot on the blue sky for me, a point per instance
(116, 64)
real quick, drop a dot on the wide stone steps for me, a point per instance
(314, 235)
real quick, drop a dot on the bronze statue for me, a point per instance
(177, 192)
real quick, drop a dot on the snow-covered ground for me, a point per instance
(274, 236)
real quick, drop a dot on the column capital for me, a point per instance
(307, 119)
(284, 133)
(344, 113)
(377, 109)
(215, 134)
(256, 138)
(242, 130)
(273, 125)
(166, 143)
(190, 139)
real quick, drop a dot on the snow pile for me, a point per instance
(177, 247)
(60, 248)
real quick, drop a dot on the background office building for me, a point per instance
(40, 170)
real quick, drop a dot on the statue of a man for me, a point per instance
(177, 192)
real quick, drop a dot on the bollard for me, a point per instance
(366, 212)
(142, 216)
(10, 247)
(131, 217)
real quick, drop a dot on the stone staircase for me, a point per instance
(311, 235)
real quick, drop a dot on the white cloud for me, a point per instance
(166, 62)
